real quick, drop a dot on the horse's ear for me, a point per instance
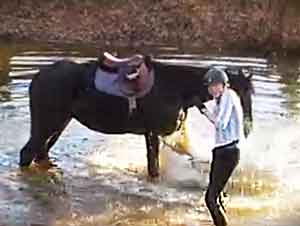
(247, 74)
(148, 62)
(231, 71)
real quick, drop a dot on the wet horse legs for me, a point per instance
(42, 138)
(28, 152)
(43, 155)
(152, 143)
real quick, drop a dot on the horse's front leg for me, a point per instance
(152, 143)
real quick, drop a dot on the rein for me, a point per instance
(181, 129)
(174, 147)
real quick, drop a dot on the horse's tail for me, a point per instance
(37, 74)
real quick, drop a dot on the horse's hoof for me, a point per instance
(45, 163)
(24, 164)
(154, 180)
(25, 160)
(24, 168)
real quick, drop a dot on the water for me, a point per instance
(102, 179)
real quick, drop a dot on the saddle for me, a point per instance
(134, 79)
(127, 77)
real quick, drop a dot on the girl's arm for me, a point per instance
(225, 110)
(204, 110)
(208, 114)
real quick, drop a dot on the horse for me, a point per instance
(66, 90)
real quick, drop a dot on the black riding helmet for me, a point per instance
(214, 76)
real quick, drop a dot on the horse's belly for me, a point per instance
(107, 114)
(163, 123)
(110, 114)
(161, 115)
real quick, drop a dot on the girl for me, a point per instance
(227, 117)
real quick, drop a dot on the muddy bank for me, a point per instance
(205, 24)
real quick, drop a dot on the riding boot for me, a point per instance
(219, 216)
(216, 211)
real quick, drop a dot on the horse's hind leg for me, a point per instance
(28, 152)
(46, 120)
(43, 137)
(51, 98)
(43, 155)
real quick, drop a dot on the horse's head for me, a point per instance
(240, 81)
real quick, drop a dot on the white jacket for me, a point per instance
(227, 117)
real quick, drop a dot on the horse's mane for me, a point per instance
(235, 75)
(182, 67)
(180, 71)
(184, 79)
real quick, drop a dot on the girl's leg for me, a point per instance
(223, 164)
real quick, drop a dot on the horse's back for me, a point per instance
(63, 71)
(53, 89)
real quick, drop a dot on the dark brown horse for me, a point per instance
(66, 90)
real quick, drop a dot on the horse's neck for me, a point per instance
(180, 79)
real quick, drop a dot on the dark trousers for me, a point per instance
(225, 160)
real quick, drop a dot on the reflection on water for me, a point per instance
(102, 179)
(290, 69)
(120, 214)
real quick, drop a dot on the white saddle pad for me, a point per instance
(107, 82)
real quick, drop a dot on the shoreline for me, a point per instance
(261, 27)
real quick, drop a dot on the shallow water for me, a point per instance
(102, 180)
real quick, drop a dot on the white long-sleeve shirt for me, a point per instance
(227, 117)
